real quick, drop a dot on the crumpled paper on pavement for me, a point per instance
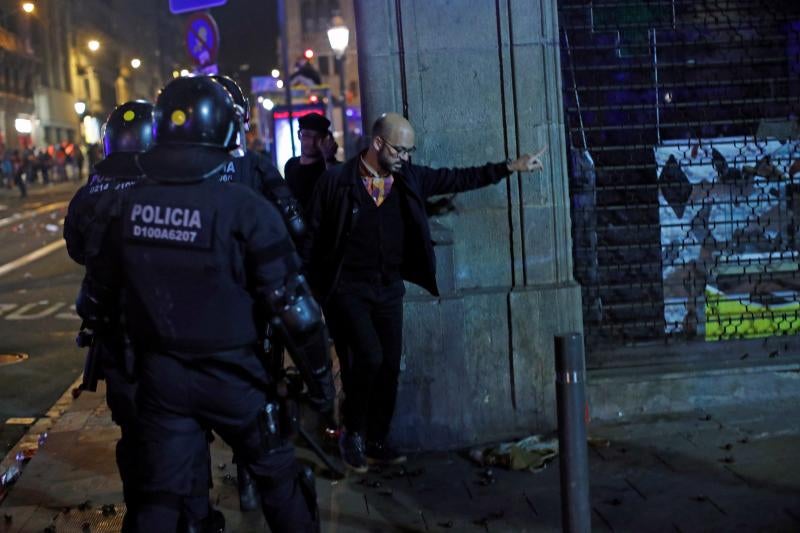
(531, 453)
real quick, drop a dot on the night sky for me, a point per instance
(248, 36)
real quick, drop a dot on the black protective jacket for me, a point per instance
(335, 206)
(197, 257)
(83, 229)
(255, 172)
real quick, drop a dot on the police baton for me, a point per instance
(319, 452)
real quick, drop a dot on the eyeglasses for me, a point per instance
(401, 150)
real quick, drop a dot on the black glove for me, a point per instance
(321, 390)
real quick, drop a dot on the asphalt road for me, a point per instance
(37, 316)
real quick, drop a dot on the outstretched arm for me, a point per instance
(451, 180)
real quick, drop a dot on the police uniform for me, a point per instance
(254, 171)
(128, 131)
(81, 225)
(199, 261)
(126, 134)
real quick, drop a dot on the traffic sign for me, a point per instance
(185, 6)
(202, 39)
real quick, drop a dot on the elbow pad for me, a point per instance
(297, 316)
(293, 306)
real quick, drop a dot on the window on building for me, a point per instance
(324, 65)
(308, 15)
(27, 85)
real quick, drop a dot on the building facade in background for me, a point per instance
(65, 65)
(18, 73)
(307, 24)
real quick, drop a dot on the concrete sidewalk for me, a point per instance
(731, 469)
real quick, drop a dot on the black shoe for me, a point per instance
(213, 523)
(248, 491)
(351, 446)
(382, 453)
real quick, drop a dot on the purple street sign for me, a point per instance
(202, 38)
(185, 6)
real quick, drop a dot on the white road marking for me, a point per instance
(22, 311)
(17, 421)
(16, 217)
(31, 257)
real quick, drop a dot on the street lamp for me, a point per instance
(80, 107)
(27, 7)
(339, 36)
(93, 45)
(136, 62)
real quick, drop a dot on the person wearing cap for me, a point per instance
(317, 153)
(368, 233)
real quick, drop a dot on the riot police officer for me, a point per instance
(254, 171)
(126, 133)
(199, 262)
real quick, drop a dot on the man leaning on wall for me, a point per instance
(369, 233)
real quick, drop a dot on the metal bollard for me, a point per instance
(573, 452)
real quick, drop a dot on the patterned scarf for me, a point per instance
(378, 187)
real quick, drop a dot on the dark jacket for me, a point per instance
(82, 227)
(335, 207)
(256, 172)
(197, 258)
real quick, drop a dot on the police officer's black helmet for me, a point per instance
(236, 92)
(129, 128)
(195, 111)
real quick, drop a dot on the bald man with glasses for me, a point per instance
(368, 233)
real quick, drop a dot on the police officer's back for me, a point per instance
(200, 260)
(126, 133)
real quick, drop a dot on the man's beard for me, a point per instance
(386, 165)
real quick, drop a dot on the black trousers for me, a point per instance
(121, 401)
(367, 319)
(179, 400)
